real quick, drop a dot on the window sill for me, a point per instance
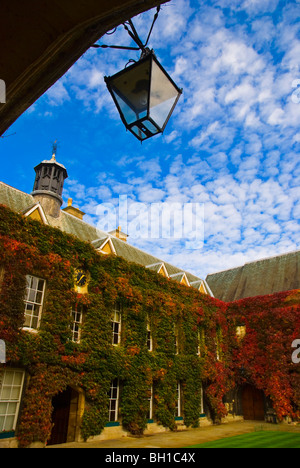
(7, 435)
(30, 330)
(112, 424)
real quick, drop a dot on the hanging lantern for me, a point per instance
(144, 94)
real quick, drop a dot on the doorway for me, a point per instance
(253, 403)
(64, 417)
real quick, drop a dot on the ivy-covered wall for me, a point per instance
(264, 357)
(54, 362)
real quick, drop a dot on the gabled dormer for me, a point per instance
(202, 287)
(36, 212)
(159, 268)
(105, 246)
(181, 278)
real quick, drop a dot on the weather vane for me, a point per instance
(54, 149)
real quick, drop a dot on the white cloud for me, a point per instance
(198, 140)
(234, 139)
(171, 137)
(296, 138)
(58, 93)
(257, 6)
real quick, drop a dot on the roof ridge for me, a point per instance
(227, 269)
(272, 257)
(14, 188)
(254, 261)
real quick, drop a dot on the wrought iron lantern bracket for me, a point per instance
(130, 28)
(144, 93)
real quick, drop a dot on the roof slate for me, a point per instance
(267, 276)
(20, 201)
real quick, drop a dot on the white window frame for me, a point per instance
(178, 401)
(218, 341)
(202, 400)
(176, 338)
(10, 395)
(149, 336)
(77, 320)
(33, 304)
(116, 322)
(201, 341)
(150, 401)
(114, 394)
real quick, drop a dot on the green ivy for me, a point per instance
(53, 361)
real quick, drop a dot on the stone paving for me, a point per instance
(184, 438)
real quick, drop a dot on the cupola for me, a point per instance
(49, 183)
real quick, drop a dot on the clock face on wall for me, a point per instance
(80, 278)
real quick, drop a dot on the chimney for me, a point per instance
(119, 234)
(73, 210)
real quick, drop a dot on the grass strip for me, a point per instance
(262, 439)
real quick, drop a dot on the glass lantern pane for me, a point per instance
(127, 112)
(149, 126)
(141, 135)
(144, 129)
(131, 90)
(163, 96)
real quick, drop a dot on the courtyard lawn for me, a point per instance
(262, 439)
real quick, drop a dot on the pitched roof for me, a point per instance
(267, 276)
(20, 202)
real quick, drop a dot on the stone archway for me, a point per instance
(253, 403)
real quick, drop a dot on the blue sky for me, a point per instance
(232, 143)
